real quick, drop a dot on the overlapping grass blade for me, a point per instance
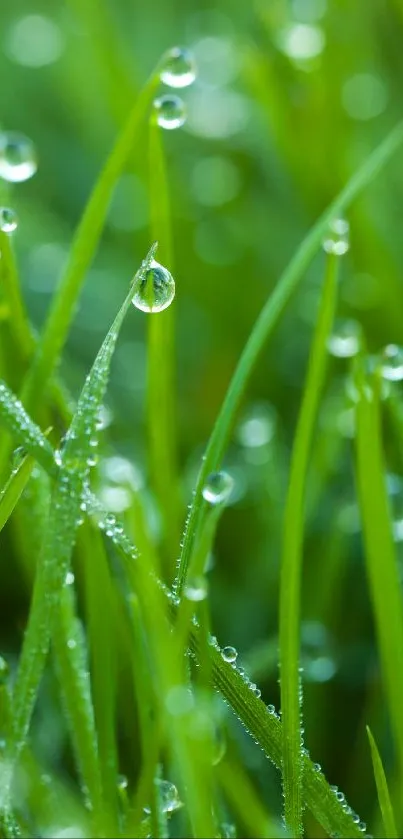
(161, 425)
(291, 565)
(385, 803)
(380, 554)
(13, 488)
(23, 336)
(60, 535)
(265, 324)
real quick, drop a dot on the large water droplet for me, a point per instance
(169, 796)
(218, 487)
(154, 290)
(229, 654)
(196, 589)
(179, 68)
(8, 220)
(170, 111)
(17, 157)
(392, 363)
(337, 237)
(345, 340)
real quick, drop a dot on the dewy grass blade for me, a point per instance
(60, 535)
(385, 803)
(83, 248)
(265, 324)
(380, 554)
(161, 425)
(291, 565)
(22, 427)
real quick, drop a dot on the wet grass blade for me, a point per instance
(60, 535)
(25, 431)
(291, 565)
(385, 803)
(264, 326)
(380, 554)
(161, 423)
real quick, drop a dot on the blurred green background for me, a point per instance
(290, 98)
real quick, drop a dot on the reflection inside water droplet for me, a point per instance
(17, 157)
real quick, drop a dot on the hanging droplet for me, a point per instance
(154, 290)
(170, 111)
(8, 220)
(218, 487)
(229, 654)
(392, 363)
(179, 68)
(169, 796)
(17, 157)
(196, 589)
(346, 339)
(337, 237)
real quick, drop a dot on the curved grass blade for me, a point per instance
(161, 423)
(24, 429)
(291, 565)
(82, 251)
(14, 487)
(382, 790)
(380, 555)
(265, 324)
(65, 514)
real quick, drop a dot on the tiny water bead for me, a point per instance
(179, 68)
(337, 237)
(154, 290)
(345, 340)
(170, 112)
(17, 157)
(8, 220)
(392, 363)
(229, 654)
(218, 487)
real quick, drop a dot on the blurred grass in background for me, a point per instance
(290, 97)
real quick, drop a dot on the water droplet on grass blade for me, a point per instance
(154, 289)
(169, 796)
(229, 654)
(196, 589)
(8, 220)
(392, 363)
(218, 487)
(170, 112)
(345, 339)
(17, 157)
(337, 237)
(179, 68)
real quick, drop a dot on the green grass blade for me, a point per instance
(60, 534)
(265, 324)
(380, 555)
(82, 251)
(13, 489)
(291, 565)
(382, 790)
(25, 431)
(161, 425)
(19, 323)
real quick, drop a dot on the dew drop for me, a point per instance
(69, 578)
(169, 797)
(170, 111)
(337, 237)
(17, 157)
(392, 363)
(179, 68)
(196, 589)
(345, 339)
(154, 290)
(8, 220)
(4, 670)
(218, 487)
(229, 654)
